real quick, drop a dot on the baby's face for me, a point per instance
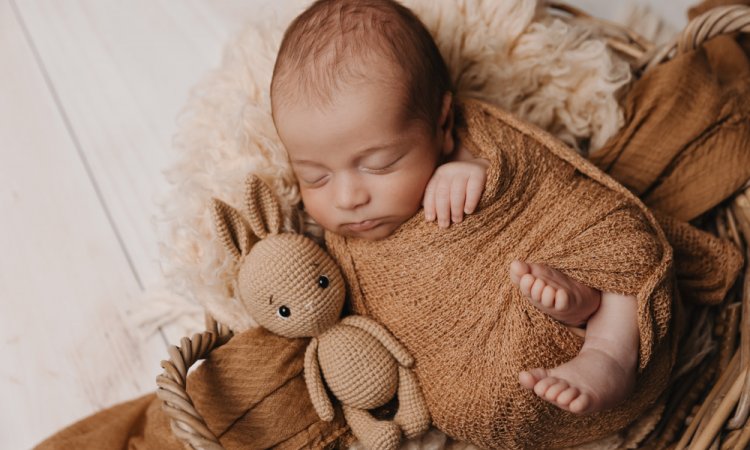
(362, 168)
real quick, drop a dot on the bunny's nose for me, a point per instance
(308, 306)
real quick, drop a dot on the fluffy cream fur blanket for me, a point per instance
(514, 53)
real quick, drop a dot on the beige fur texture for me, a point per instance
(512, 53)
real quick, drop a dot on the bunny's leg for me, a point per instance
(374, 434)
(412, 415)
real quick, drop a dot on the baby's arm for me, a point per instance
(455, 188)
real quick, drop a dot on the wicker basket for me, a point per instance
(710, 407)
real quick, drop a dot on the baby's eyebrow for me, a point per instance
(306, 162)
(376, 148)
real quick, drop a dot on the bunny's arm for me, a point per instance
(385, 337)
(314, 382)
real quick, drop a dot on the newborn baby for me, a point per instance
(362, 101)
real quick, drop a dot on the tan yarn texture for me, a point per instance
(377, 378)
(446, 295)
(278, 269)
(364, 367)
(299, 262)
(293, 288)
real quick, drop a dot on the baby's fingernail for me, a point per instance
(429, 217)
(457, 219)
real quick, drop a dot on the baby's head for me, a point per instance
(362, 101)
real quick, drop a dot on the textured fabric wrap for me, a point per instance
(447, 296)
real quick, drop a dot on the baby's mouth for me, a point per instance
(358, 227)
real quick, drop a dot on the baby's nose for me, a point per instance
(350, 193)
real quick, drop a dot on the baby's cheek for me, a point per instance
(410, 192)
(318, 207)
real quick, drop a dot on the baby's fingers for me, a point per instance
(458, 198)
(443, 204)
(429, 201)
(474, 190)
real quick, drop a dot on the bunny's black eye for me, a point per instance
(284, 312)
(323, 281)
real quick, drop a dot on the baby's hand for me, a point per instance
(454, 190)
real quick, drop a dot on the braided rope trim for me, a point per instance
(717, 21)
(185, 421)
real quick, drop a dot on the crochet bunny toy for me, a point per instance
(293, 288)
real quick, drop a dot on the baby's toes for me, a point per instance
(517, 270)
(562, 300)
(525, 284)
(567, 396)
(540, 388)
(548, 297)
(529, 378)
(536, 289)
(580, 404)
(555, 390)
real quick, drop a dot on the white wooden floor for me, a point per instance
(89, 92)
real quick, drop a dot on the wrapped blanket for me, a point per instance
(447, 296)
(250, 391)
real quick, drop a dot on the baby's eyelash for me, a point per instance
(379, 170)
(384, 168)
(312, 183)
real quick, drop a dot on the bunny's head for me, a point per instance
(287, 282)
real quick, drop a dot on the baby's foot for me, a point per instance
(554, 293)
(592, 381)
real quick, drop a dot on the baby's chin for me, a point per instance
(381, 231)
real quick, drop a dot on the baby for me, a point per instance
(362, 101)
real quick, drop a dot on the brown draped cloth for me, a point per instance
(446, 294)
(685, 146)
(251, 392)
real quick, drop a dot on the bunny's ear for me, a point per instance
(233, 233)
(264, 209)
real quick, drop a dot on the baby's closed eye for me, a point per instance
(311, 178)
(381, 162)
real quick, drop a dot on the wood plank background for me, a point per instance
(89, 93)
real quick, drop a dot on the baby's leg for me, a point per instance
(603, 373)
(554, 293)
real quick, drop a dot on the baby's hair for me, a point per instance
(328, 43)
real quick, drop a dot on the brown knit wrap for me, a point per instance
(446, 294)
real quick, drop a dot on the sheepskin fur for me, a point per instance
(553, 73)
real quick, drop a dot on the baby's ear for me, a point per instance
(264, 209)
(446, 124)
(233, 232)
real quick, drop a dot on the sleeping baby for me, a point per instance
(483, 244)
